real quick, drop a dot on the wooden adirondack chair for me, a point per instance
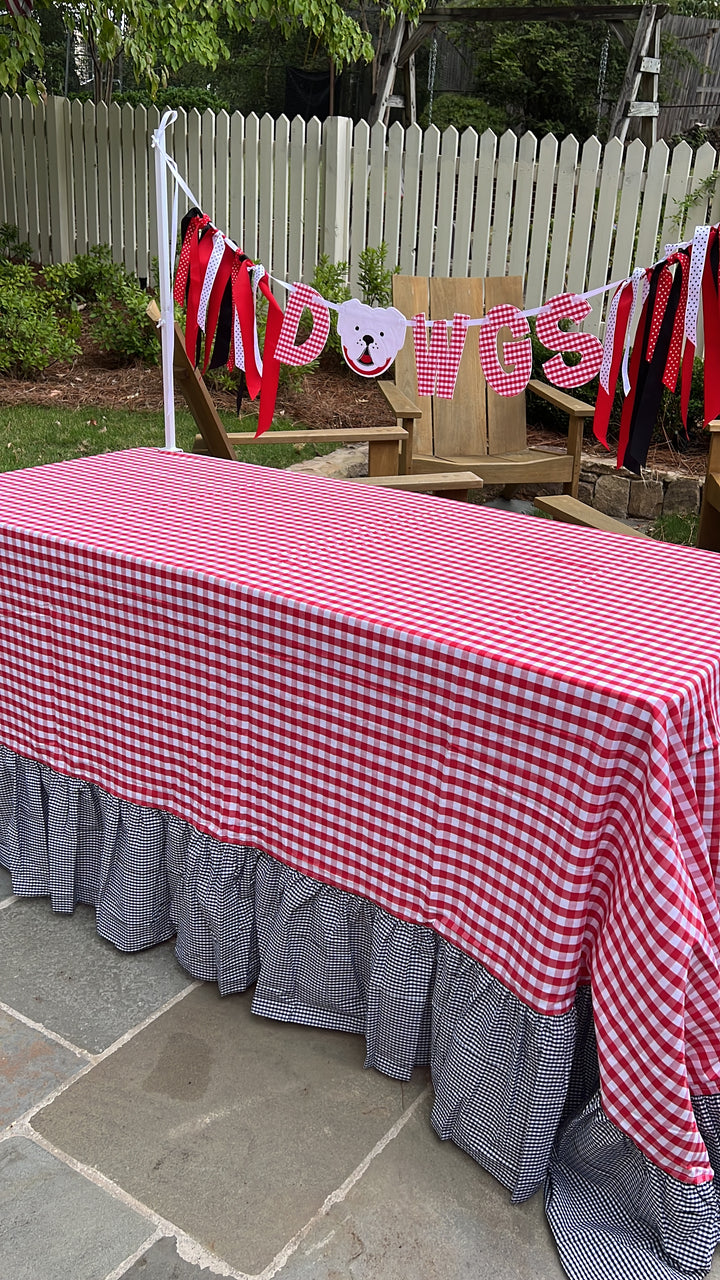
(478, 430)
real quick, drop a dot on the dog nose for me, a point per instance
(368, 338)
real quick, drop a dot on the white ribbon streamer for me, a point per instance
(637, 275)
(213, 266)
(697, 266)
(610, 339)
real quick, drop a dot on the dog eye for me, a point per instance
(382, 335)
(357, 328)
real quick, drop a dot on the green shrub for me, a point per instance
(330, 280)
(116, 300)
(11, 247)
(374, 278)
(33, 335)
(465, 112)
(88, 277)
(39, 312)
(120, 326)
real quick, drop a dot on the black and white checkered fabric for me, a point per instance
(72, 841)
(334, 960)
(614, 1214)
(212, 889)
(500, 1073)
(515, 1089)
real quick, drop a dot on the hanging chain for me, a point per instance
(602, 72)
(431, 76)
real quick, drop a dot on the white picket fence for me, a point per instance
(561, 215)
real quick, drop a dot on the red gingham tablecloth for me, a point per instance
(502, 728)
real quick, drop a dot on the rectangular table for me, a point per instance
(501, 730)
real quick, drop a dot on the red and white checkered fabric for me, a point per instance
(501, 728)
(438, 364)
(286, 350)
(512, 376)
(568, 306)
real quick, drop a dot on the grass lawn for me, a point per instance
(30, 436)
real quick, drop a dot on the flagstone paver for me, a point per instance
(5, 884)
(56, 1225)
(162, 1262)
(232, 1127)
(57, 971)
(425, 1209)
(31, 1064)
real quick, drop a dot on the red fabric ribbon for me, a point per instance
(627, 411)
(661, 301)
(711, 325)
(200, 250)
(604, 403)
(237, 262)
(195, 224)
(271, 365)
(672, 366)
(244, 304)
(264, 381)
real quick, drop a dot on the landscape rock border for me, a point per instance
(622, 494)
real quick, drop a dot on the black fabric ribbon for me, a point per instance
(649, 388)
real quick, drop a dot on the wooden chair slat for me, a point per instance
(506, 421)
(460, 424)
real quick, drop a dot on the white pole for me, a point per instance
(165, 253)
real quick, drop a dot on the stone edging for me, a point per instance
(625, 495)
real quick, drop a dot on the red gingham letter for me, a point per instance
(508, 379)
(568, 306)
(303, 296)
(437, 366)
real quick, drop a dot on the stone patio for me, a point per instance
(156, 1131)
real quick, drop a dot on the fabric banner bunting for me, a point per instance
(219, 287)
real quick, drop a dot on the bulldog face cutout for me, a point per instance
(371, 336)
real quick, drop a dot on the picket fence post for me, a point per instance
(62, 212)
(337, 147)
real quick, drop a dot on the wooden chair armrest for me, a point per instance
(561, 400)
(428, 483)
(399, 403)
(341, 435)
(571, 511)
